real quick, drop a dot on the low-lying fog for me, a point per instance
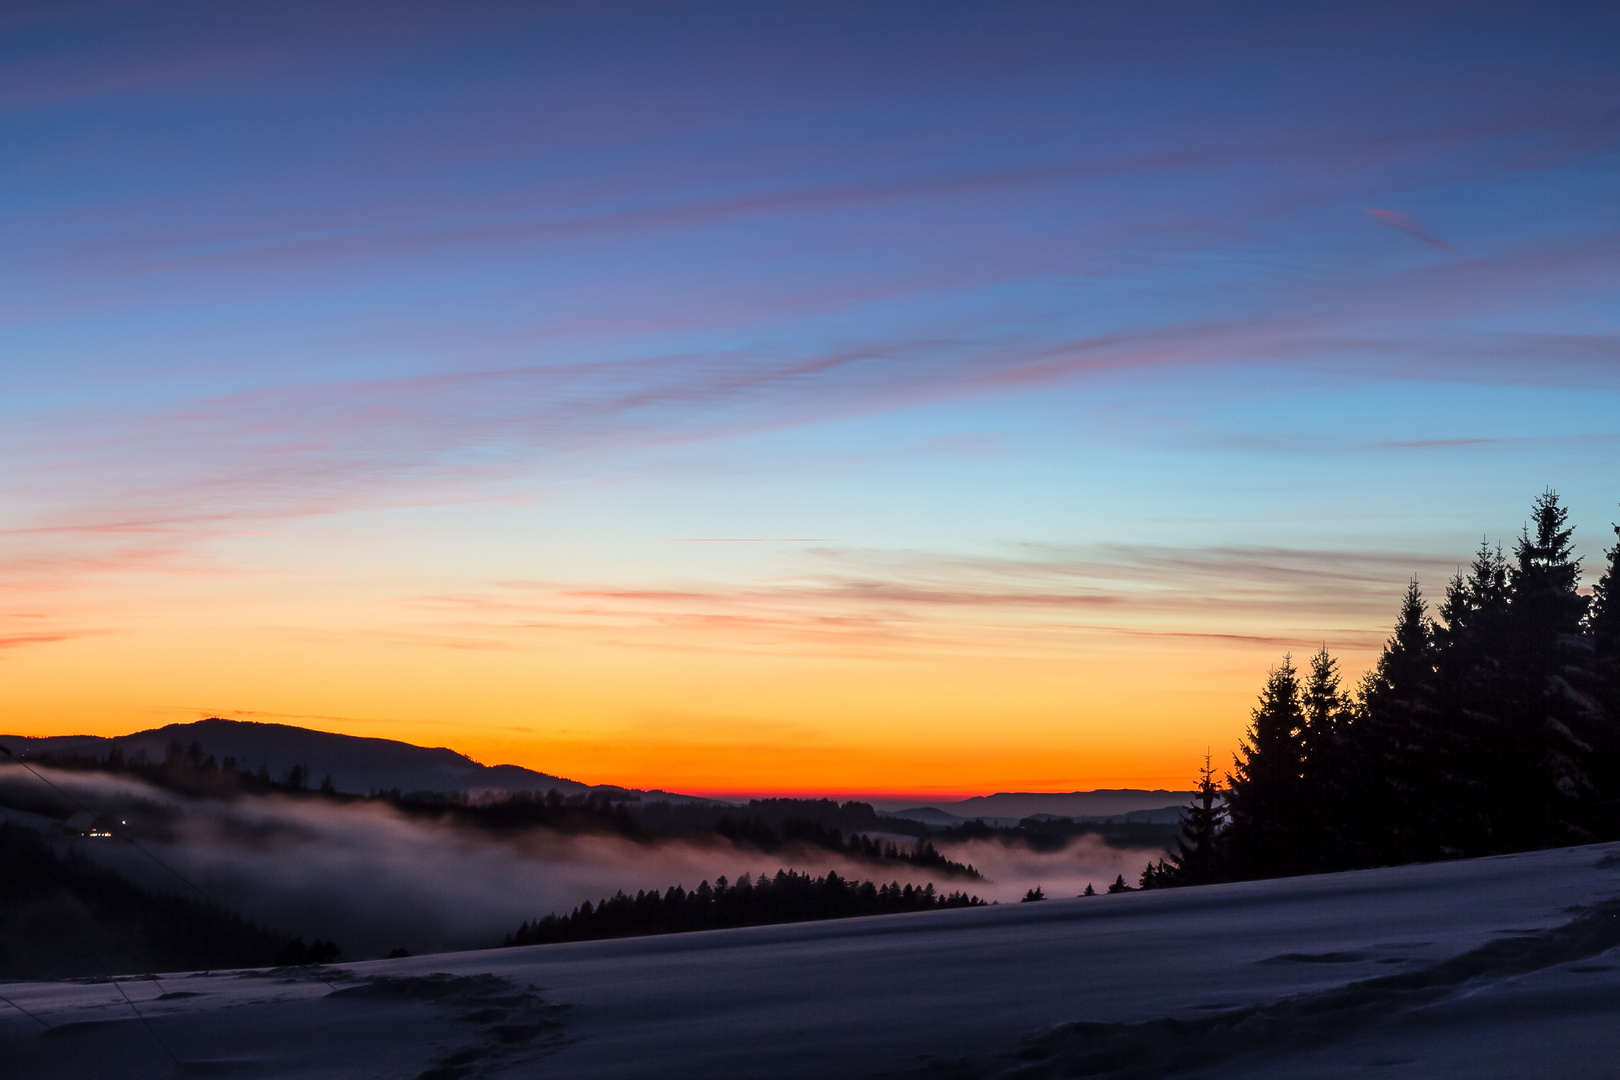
(372, 879)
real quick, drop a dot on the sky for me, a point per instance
(891, 398)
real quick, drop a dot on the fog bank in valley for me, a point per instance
(372, 879)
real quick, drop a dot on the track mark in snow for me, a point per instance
(1168, 1046)
(77, 1028)
(512, 1023)
(1317, 958)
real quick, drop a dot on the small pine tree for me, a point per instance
(1119, 885)
(1157, 875)
(1196, 860)
(1090, 890)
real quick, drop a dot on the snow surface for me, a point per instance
(1535, 993)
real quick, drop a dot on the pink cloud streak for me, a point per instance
(1395, 219)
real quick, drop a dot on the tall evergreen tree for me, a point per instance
(1264, 790)
(1471, 643)
(1547, 607)
(1326, 707)
(1196, 860)
(1329, 800)
(1405, 669)
(1470, 639)
(1394, 742)
(1550, 683)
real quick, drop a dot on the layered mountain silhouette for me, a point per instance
(355, 764)
(1010, 807)
(361, 765)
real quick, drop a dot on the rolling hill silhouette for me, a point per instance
(1009, 807)
(355, 764)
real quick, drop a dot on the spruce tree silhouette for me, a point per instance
(1552, 720)
(1196, 860)
(1157, 875)
(1603, 616)
(1329, 795)
(1603, 626)
(1394, 744)
(1494, 729)
(1469, 641)
(1264, 789)
(1325, 704)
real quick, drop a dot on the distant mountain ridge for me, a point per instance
(361, 764)
(355, 763)
(1010, 807)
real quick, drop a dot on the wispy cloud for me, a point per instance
(13, 641)
(269, 265)
(1497, 440)
(120, 484)
(1031, 600)
(1405, 223)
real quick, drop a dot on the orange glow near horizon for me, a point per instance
(835, 400)
(926, 708)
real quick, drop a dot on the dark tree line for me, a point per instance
(786, 898)
(758, 834)
(767, 826)
(1491, 726)
(187, 770)
(1047, 834)
(849, 817)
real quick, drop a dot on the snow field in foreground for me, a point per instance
(1492, 967)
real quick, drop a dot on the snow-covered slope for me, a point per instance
(1487, 968)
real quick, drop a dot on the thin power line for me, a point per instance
(96, 958)
(134, 844)
(122, 836)
(25, 1012)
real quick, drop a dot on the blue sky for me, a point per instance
(329, 308)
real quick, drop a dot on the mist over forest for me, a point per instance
(374, 878)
